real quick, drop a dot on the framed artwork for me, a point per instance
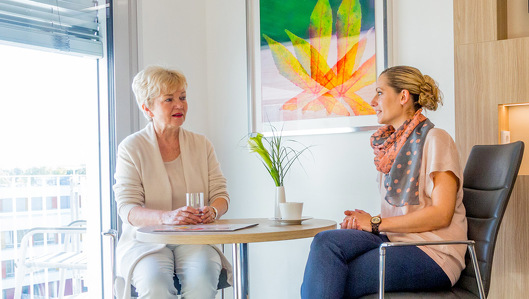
(313, 64)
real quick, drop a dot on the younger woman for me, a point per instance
(420, 182)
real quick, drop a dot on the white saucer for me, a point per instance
(290, 221)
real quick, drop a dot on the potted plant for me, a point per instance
(277, 158)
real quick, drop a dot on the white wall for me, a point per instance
(173, 34)
(423, 37)
(207, 41)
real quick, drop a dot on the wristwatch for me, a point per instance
(375, 222)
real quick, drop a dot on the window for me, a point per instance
(38, 239)
(7, 240)
(22, 204)
(8, 267)
(39, 289)
(54, 74)
(52, 239)
(6, 205)
(36, 181)
(51, 181)
(65, 181)
(20, 235)
(65, 202)
(20, 182)
(51, 203)
(36, 203)
(56, 149)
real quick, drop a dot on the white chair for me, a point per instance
(113, 234)
(70, 257)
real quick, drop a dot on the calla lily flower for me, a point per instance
(277, 158)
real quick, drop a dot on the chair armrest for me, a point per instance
(60, 230)
(423, 243)
(40, 230)
(50, 230)
(79, 222)
(382, 261)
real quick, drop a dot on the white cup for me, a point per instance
(195, 200)
(291, 210)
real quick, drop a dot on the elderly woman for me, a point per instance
(420, 182)
(155, 169)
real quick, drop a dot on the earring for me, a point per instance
(147, 110)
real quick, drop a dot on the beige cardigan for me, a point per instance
(141, 180)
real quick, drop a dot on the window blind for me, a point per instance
(70, 26)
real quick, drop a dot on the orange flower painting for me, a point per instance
(328, 73)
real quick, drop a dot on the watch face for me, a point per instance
(376, 220)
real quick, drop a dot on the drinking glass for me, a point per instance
(195, 200)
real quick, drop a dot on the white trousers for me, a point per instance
(196, 266)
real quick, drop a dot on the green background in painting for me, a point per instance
(294, 15)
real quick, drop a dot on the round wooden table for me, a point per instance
(265, 231)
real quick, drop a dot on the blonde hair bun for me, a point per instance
(429, 95)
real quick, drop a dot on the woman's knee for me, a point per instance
(211, 266)
(333, 237)
(324, 238)
(155, 285)
(201, 267)
(153, 274)
(200, 280)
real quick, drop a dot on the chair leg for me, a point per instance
(113, 234)
(222, 290)
(62, 282)
(76, 282)
(481, 289)
(20, 274)
(382, 272)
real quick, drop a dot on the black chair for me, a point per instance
(489, 177)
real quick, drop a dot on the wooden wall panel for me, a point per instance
(475, 21)
(510, 273)
(488, 74)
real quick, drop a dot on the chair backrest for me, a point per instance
(489, 177)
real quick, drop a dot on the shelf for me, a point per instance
(517, 18)
(513, 120)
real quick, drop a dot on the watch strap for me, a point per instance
(375, 223)
(374, 228)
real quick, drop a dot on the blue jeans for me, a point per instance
(343, 263)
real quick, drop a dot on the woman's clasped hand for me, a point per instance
(189, 215)
(357, 219)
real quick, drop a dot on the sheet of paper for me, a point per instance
(205, 227)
